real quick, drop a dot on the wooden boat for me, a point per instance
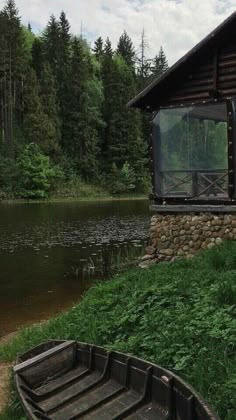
(66, 380)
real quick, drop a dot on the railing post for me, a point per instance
(195, 184)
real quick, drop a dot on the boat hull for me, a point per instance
(65, 380)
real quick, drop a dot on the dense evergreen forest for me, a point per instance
(63, 114)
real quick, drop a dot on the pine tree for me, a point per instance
(98, 48)
(108, 49)
(13, 63)
(63, 73)
(51, 43)
(50, 109)
(37, 56)
(107, 80)
(83, 117)
(39, 126)
(34, 121)
(125, 49)
(65, 36)
(124, 136)
(160, 64)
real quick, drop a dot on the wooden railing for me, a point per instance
(193, 183)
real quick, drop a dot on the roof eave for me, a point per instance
(138, 100)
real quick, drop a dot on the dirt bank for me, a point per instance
(4, 384)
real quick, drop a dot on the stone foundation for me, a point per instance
(175, 236)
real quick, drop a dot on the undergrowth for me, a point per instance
(180, 315)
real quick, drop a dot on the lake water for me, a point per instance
(50, 253)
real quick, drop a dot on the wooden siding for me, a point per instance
(213, 77)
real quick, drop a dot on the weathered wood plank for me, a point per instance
(43, 356)
(193, 208)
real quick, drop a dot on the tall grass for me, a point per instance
(180, 315)
(78, 189)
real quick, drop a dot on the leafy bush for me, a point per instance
(123, 180)
(35, 174)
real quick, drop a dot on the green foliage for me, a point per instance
(29, 39)
(123, 180)
(74, 188)
(123, 139)
(35, 174)
(41, 123)
(127, 177)
(125, 49)
(37, 56)
(160, 64)
(13, 59)
(69, 100)
(226, 292)
(51, 112)
(8, 175)
(223, 258)
(177, 315)
(98, 48)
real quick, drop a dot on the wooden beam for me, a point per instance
(186, 208)
(215, 71)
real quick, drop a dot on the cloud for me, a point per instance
(177, 25)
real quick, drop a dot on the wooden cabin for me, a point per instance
(193, 142)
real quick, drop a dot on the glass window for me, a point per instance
(191, 149)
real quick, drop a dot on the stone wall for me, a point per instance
(183, 235)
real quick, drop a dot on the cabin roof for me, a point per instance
(150, 97)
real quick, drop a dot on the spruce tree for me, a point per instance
(65, 36)
(34, 118)
(37, 56)
(108, 49)
(83, 115)
(160, 64)
(13, 60)
(124, 138)
(39, 125)
(107, 106)
(51, 43)
(50, 109)
(62, 77)
(98, 48)
(125, 49)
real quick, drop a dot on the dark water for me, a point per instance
(51, 253)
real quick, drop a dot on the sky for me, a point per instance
(177, 25)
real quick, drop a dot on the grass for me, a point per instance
(72, 190)
(78, 189)
(180, 315)
(75, 190)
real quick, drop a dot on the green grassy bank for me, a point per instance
(75, 191)
(180, 315)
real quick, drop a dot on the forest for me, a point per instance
(63, 115)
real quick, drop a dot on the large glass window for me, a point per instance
(191, 151)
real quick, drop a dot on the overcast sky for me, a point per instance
(177, 25)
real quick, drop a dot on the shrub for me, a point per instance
(121, 180)
(35, 174)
